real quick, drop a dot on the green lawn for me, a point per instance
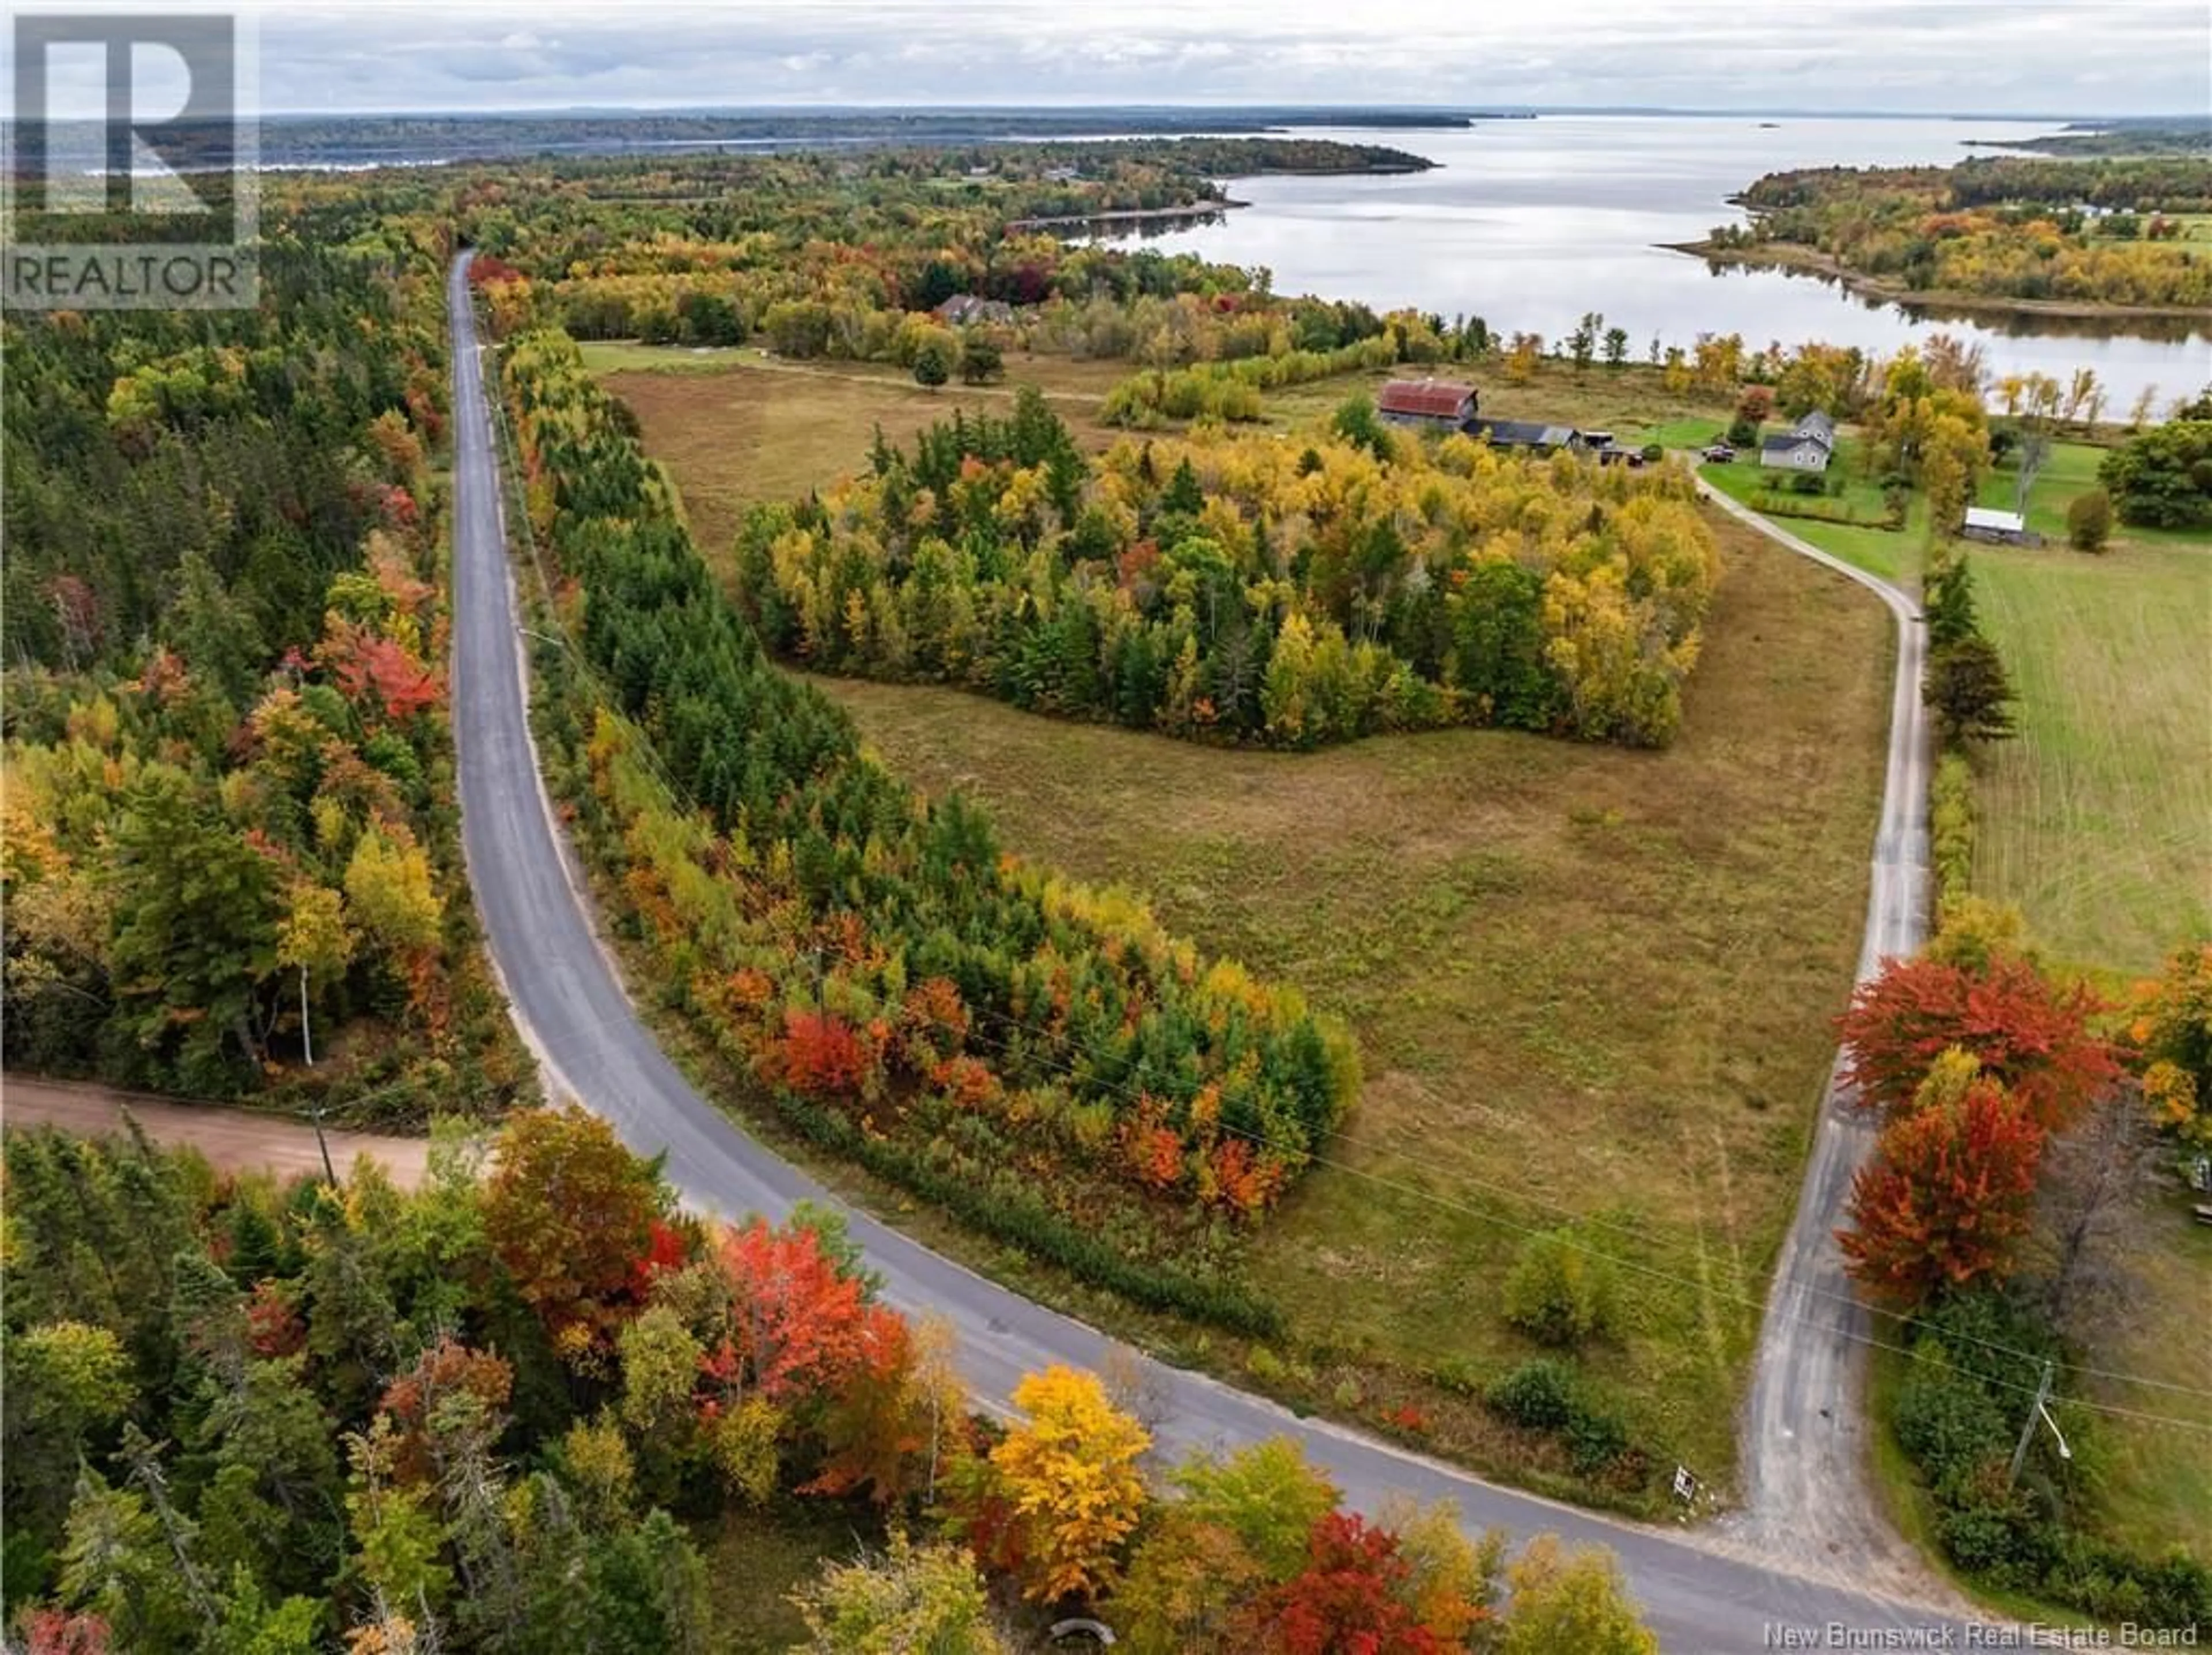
(1892, 554)
(2153, 1483)
(2070, 471)
(2098, 820)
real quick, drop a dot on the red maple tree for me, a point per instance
(870, 1428)
(1348, 1600)
(1950, 1190)
(54, 1632)
(799, 1326)
(2031, 1037)
(822, 1054)
(376, 671)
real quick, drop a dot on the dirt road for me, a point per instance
(233, 1140)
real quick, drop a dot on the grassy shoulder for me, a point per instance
(2152, 1485)
(1587, 983)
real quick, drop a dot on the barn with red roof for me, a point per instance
(1444, 404)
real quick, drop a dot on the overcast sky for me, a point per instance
(1924, 56)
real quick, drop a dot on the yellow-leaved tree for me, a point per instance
(1070, 1477)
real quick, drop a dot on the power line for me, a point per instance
(1672, 1279)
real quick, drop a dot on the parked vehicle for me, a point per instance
(1720, 451)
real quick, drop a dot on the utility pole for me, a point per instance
(307, 1041)
(2028, 1428)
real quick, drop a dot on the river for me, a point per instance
(1530, 223)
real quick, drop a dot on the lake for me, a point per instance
(1530, 223)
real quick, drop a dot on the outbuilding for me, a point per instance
(1443, 404)
(2003, 528)
(1530, 434)
(963, 308)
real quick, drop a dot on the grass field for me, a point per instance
(1586, 982)
(2098, 820)
(755, 1559)
(742, 429)
(2154, 1482)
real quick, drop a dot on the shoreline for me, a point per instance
(1127, 215)
(1794, 256)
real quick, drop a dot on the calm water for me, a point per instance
(1528, 223)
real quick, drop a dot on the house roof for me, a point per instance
(967, 307)
(1522, 433)
(1817, 424)
(2001, 522)
(1432, 399)
(1781, 442)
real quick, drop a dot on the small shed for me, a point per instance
(2005, 528)
(1445, 404)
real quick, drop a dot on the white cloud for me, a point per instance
(1932, 56)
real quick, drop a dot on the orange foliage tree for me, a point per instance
(2031, 1038)
(447, 1368)
(1950, 1190)
(798, 1326)
(570, 1212)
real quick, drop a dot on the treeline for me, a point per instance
(298, 140)
(717, 251)
(865, 956)
(1226, 587)
(2173, 184)
(2006, 229)
(1231, 390)
(2137, 134)
(2025, 1119)
(500, 1414)
(230, 848)
(2162, 478)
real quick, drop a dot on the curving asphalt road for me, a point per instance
(1705, 1595)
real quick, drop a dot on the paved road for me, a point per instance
(233, 1140)
(1705, 1598)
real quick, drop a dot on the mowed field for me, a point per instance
(1587, 983)
(2098, 820)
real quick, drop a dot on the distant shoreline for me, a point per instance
(1794, 256)
(1126, 216)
